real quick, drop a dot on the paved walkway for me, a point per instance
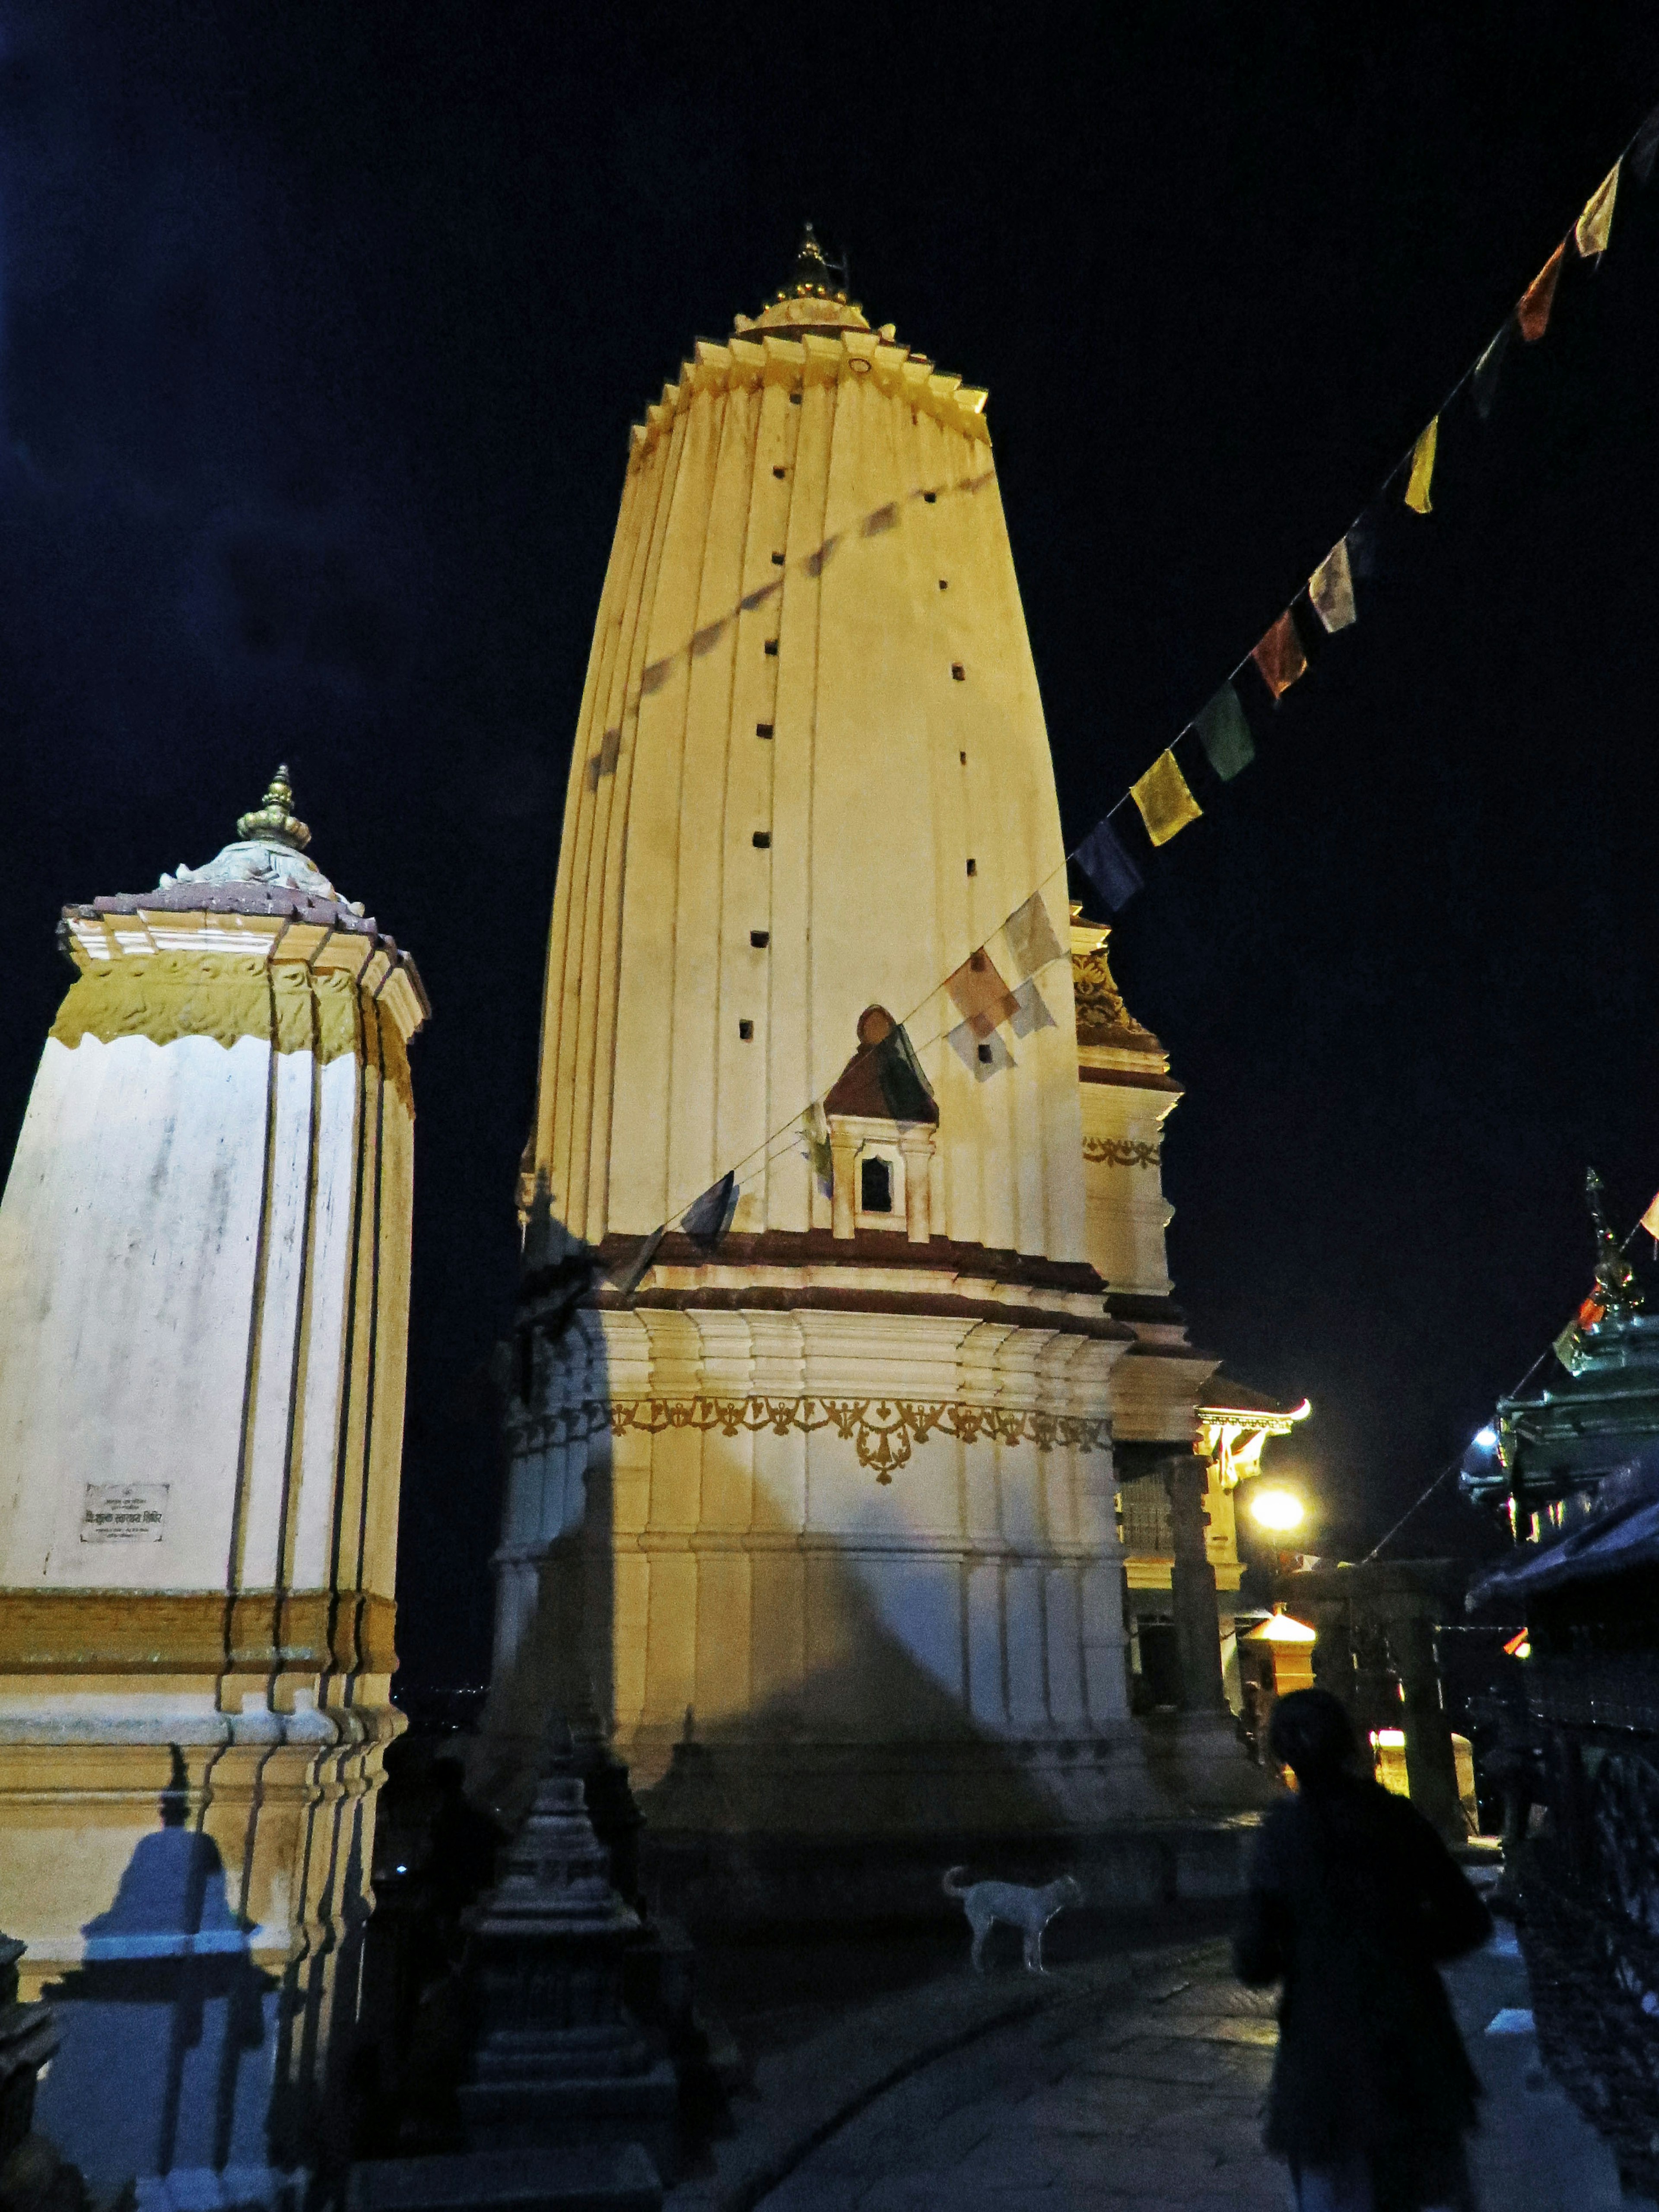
(1135, 2086)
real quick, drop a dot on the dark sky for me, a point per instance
(323, 324)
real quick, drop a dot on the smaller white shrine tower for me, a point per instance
(204, 1249)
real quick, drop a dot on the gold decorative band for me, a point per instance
(883, 1431)
(103, 1632)
(1121, 1151)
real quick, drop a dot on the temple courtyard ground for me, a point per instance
(1130, 2078)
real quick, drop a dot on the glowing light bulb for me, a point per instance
(1486, 1439)
(1278, 1509)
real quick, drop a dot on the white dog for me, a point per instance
(1028, 1910)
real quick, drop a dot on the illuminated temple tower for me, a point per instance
(816, 1517)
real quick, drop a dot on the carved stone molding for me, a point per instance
(883, 1431)
(1121, 1151)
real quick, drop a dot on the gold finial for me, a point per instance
(272, 821)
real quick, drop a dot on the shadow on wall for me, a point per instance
(810, 1695)
(168, 2028)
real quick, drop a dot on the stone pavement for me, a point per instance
(1133, 2085)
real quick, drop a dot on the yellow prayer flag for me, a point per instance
(1594, 227)
(1417, 491)
(1650, 1220)
(1166, 805)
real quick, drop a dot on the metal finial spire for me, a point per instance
(1615, 1281)
(814, 272)
(273, 821)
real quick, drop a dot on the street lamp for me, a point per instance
(1277, 1511)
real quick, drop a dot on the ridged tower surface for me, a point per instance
(811, 718)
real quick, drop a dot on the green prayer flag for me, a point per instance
(1224, 734)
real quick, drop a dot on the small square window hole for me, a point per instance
(929, 497)
(959, 674)
(772, 646)
(945, 583)
(779, 472)
(973, 867)
(762, 841)
(794, 399)
(746, 1031)
(777, 559)
(760, 939)
(762, 729)
(986, 1055)
(962, 757)
(875, 1186)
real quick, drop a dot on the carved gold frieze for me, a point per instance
(883, 1431)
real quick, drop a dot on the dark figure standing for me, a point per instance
(1353, 1899)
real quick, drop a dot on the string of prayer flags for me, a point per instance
(985, 1056)
(706, 1219)
(1031, 937)
(1422, 475)
(1533, 314)
(980, 993)
(1594, 227)
(1649, 1221)
(1483, 379)
(1101, 858)
(1224, 734)
(1166, 805)
(1279, 656)
(1330, 590)
(904, 1087)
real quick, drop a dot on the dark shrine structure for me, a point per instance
(1577, 1472)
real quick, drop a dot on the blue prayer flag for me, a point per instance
(1101, 858)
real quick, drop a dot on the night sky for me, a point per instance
(323, 326)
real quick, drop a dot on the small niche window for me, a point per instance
(875, 1186)
(929, 497)
(762, 729)
(958, 674)
(986, 1055)
(760, 939)
(779, 472)
(945, 583)
(762, 841)
(746, 1031)
(973, 867)
(772, 645)
(962, 757)
(794, 399)
(777, 559)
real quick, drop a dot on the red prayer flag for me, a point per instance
(1279, 655)
(981, 993)
(1534, 313)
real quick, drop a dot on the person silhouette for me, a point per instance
(1354, 1900)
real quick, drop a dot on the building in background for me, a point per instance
(205, 1246)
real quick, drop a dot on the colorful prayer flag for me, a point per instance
(1483, 379)
(985, 1056)
(706, 1219)
(1279, 656)
(634, 1274)
(1166, 805)
(1030, 1010)
(1650, 1220)
(1422, 475)
(815, 1128)
(980, 993)
(1101, 858)
(1594, 227)
(1031, 937)
(1644, 146)
(1534, 311)
(1330, 588)
(1224, 734)
(904, 1087)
